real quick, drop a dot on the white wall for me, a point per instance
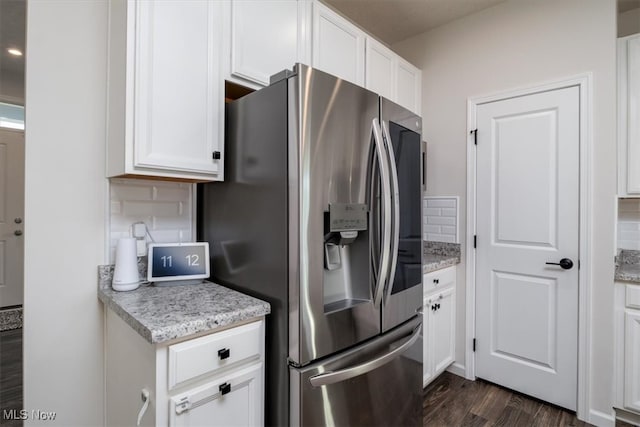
(65, 209)
(629, 22)
(518, 43)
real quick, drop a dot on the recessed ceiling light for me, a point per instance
(15, 52)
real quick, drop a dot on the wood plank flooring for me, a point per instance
(10, 374)
(451, 400)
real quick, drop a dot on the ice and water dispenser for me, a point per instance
(346, 256)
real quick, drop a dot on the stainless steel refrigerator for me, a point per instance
(320, 214)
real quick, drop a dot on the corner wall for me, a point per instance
(514, 44)
(65, 212)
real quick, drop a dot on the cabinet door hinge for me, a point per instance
(475, 136)
(474, 345)
(475, 241)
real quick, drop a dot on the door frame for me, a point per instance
(584, 84)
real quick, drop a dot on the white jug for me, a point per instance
(125, 276)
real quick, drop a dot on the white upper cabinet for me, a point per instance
(166, 104)
(409, 86)
(263, 38)
(629, 116)
(392, 77)
(338, 46)
(380, 75)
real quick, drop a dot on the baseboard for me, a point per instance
(10, 318)
(457, 369)
(601, 419)
(627, 417)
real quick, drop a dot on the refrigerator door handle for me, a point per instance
(395, 211)
(386, 254)
(328, 378)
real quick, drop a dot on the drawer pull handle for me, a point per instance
(224, 388)
(224, 353)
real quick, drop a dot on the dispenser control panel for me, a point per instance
(347, 217)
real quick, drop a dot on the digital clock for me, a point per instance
(178, 263)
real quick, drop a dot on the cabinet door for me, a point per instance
(265, 38)
(178, 90)
(632, 360)
(409, 86)
(427, 364)
(233, 400)
(633, 115)
(380, 73)
(631, 111)
(338, 45)
(443, 323)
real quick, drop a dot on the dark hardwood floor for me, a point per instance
(451, 400)
(10, 374)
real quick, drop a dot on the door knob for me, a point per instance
(18, 232)
(565, 263)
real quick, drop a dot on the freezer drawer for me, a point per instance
(378, 383)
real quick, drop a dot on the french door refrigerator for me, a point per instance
(320, 215)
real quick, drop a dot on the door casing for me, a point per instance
(584, 83)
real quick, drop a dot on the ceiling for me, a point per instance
(627, 5)
(391, 21)
(12, 35)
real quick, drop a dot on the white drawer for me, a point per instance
(632, 298)
(439, 278)
(207, 354)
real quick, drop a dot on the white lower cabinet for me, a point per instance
(632, 360)
(627, 351)
(211, 380)
(438, 323)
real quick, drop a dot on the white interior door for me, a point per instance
(527, 216)
(11, 216)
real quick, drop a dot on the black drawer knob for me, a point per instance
(224, 353)
(224, 388)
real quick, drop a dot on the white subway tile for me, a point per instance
(448, 230)
(449, 212)
(181, 193)
(629, 244)
(131, 208)
(628, 225)
(433, 212)
(441, 220)
(431, 229)
(441, 203)
(629, 235)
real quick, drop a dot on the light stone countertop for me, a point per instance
(434, 262)
(439, 255)
(628, 266)
(161, 314)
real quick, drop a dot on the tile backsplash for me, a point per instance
(629, 224)
(440, 220)
(167, 208)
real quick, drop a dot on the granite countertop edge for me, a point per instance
(440, 262)
(628, 266)
(236, 308)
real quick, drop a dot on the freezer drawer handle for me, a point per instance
(328, 378)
